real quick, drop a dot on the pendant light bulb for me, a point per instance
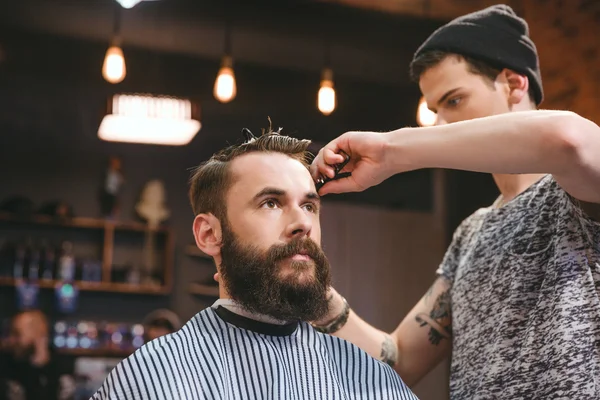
(113, 69)
(225, 87)
(425, 117)
(326, 100)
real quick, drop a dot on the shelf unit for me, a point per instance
(109, 228)
(95, 286)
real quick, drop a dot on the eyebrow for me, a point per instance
(444, 97)
(271, 191)
(313, 196)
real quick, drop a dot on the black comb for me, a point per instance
(338, 175)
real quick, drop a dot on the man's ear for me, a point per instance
(517, 84)
(208, 234)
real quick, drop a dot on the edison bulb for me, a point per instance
(225, 86)
(129, 3)
(425, 117)
(113, 68)
(326, 100)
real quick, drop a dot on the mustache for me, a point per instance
(297, 246)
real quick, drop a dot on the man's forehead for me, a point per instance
(252, 173)
(439, 79)
(262, 164)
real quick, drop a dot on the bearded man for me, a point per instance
(257, 214)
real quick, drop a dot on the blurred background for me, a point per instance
(106, 105)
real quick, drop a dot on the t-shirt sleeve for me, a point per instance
(574, 207)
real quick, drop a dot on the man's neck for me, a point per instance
(237, 308)
(512, 185)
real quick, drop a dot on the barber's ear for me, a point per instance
(517, 84)
(208, 234)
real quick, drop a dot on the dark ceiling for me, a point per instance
(369, 52)
(289, 34)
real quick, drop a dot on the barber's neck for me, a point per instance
(511, 185)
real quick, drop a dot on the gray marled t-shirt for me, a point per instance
(525, 293)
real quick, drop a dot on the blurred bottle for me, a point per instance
(19, 263)
(49, 262)
(34, 264)
(67, 263)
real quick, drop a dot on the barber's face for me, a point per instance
(457, 94)
(271, 259)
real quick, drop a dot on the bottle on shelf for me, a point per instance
(66, 263)
(34, 264)
(19, 264)
(48, 263)
(91, 271)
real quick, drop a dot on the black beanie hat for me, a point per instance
(495, 35)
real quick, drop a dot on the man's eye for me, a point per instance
(311, 208)
(270, 204)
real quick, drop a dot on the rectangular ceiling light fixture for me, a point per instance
(149, 119)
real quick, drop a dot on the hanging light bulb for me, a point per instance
(129, 3)
(113, 69)
(326, 97)
(225, 87)
(425, 117)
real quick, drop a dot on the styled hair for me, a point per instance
(430, 59)
(212, 179)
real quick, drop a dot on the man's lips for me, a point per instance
(301, 256)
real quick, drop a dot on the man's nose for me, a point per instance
(300, 223)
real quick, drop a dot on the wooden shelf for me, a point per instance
(109, 229)
(80, 222)
(117, 353)
(97, 286)
(204, 290)
(192, 250)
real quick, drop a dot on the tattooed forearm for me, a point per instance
(389, 351)
(438, 319)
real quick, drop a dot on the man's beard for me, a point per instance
(253, 278)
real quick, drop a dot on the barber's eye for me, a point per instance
(454, 101)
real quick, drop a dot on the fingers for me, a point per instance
(342, 185)
(323, 163)
(331, 157)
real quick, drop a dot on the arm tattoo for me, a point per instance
(389, 351)
(438, 319)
